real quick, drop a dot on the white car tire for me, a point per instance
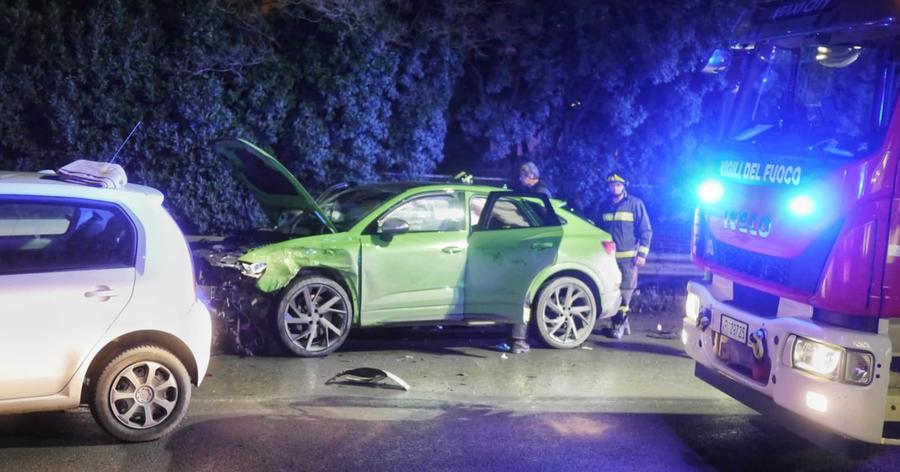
(142, 394)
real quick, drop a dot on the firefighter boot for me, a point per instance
(620, 329)
(620, 326)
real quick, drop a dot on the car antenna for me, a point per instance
(112, 159)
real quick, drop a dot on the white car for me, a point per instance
(97, 305)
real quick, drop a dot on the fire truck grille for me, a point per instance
(769, 268)
(799, 273)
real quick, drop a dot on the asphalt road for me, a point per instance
(613, 405)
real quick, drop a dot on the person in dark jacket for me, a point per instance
(530, 180)
(625, 218)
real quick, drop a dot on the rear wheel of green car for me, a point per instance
(313, 317)
(565, 313)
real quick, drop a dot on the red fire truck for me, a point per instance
(798, 229)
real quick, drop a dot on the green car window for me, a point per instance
(507, 214)
(442, 212)
(511, 212)
(476, 206)
(347, 207)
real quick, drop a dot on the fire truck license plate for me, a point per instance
(734, 329)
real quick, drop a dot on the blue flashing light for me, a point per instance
(802, 205)
(711, 191)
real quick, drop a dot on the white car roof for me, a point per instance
(37, 184)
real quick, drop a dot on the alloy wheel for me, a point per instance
(316, 318)
(566, 313)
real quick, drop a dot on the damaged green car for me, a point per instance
(405, 253)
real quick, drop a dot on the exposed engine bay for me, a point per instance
(241, 312)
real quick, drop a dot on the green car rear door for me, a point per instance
(516, 236)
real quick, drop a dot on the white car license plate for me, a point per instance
(734, 329)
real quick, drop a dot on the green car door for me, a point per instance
(516, 236)
(413, 261)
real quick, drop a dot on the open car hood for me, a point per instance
(272, 184)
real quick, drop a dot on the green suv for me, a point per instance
(421, 253)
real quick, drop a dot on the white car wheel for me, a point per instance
(142, 394)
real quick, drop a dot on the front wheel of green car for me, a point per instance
(565, 313)
(313, 317)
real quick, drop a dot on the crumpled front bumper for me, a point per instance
(854, 411)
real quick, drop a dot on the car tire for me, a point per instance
(141, 382)
(313, 317)
(565, 312)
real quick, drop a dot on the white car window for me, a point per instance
(53, 235)
(432, 213)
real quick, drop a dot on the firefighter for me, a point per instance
(625, 218)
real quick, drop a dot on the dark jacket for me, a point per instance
(537, 188)
(629, 225)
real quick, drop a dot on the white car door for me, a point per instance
(66, 272)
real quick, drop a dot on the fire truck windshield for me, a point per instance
(814, 99)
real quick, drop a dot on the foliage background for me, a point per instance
(354, 90)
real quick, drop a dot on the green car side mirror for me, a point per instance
(392, 227)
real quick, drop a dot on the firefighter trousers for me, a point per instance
(629, 283)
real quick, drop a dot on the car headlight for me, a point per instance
(692, 306)
(832, 362)
(252, 269)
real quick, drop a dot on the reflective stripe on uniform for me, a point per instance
(624, 254)
(643, 250)
(619, 216)
(624, 309)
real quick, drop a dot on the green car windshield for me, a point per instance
(347, 207)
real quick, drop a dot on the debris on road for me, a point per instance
(587, 348)
(504, 356)
(369, 376)
(661, 333)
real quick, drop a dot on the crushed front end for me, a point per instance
(240, 310)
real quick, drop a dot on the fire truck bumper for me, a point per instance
(768, 364)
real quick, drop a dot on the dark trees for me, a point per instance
(587, 87)
(346, 90)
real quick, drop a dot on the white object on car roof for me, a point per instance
(94, 173)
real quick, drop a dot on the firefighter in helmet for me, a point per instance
(625, 218)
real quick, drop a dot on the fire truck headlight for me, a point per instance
(711, 191)
(832, 362)
(692, 307)
(858, 368)
(802, 205)
(817, 358)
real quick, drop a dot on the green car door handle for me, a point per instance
(542, 245)
(452, 250)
